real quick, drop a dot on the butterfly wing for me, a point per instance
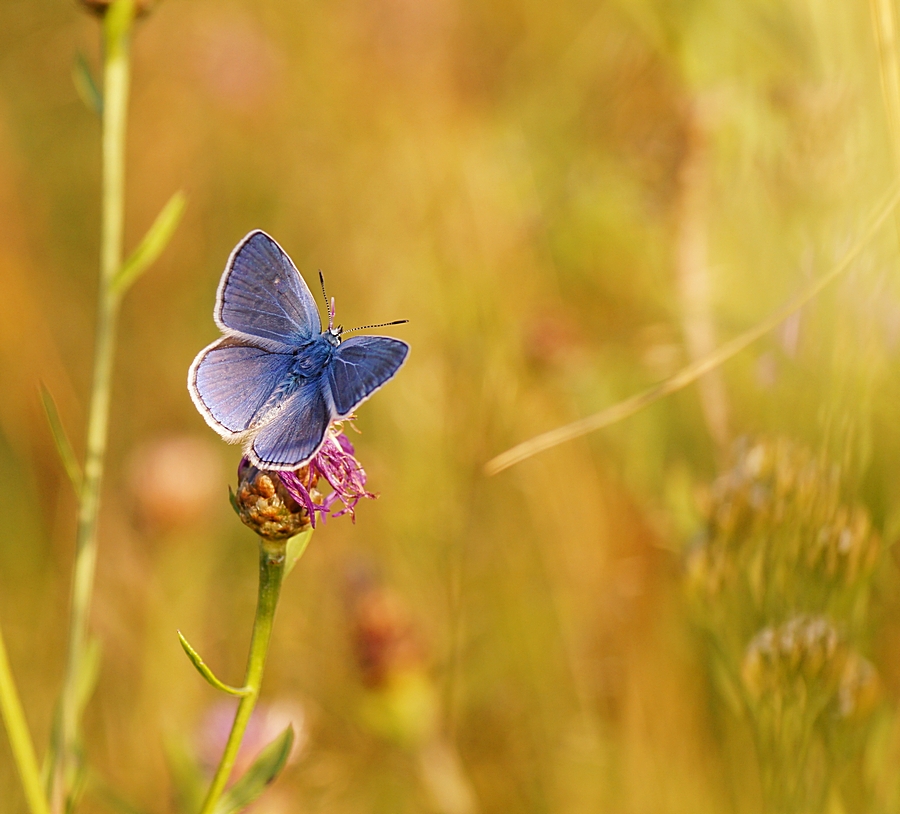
(233, 383)
(360, 366)
(296, 431)
(263, 295)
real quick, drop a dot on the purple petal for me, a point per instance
(336, 464)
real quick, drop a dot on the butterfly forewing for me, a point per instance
(263, 295)
(296, 431)
(360, 366)
(232, 381)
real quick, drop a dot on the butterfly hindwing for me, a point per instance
(359, 366)
(232, 383)
(263, 295)
(296, 431)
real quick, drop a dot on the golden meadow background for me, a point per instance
(569, 201)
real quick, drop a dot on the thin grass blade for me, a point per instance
(63, 446)
(151, 247)
(19, 736)
(86, 86)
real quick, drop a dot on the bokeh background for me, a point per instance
(569, 201)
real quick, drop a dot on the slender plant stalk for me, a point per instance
(271, 572)
(117, 33)
(19, 737)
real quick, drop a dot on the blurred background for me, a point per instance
(694, 610)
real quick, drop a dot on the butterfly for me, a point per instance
(276, 380)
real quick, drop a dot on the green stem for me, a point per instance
(271, 572)
(19, 738)
(117, 26)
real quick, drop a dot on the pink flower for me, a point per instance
(335, 463)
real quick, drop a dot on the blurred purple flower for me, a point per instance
(336, 463)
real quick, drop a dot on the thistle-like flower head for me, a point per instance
(278, 505)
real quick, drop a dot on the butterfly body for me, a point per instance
(276, 379)
(312, 358)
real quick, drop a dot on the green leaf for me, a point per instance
(87, 87)
(63, 447)
(295, 548)
(264, 770)
(151, 247)
(208, 674)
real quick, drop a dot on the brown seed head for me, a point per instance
(263, 503)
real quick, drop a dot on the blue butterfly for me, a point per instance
(276, 379)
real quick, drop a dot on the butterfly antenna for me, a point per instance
(328, 304)
(379, 325)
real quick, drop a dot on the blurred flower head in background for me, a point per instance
(175, 481)
(400, 701)
(781, 586)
